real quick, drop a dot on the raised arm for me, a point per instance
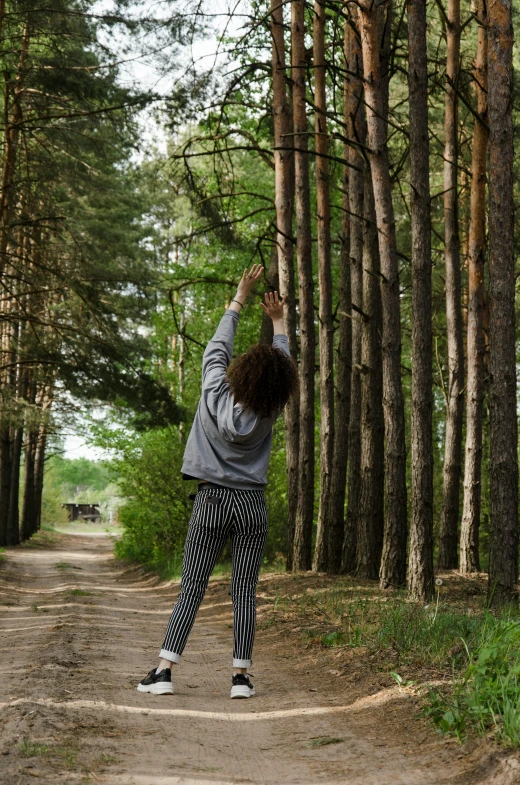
(219, 351)
(273, 307)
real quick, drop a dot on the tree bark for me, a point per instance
(8, 383)
(28, 501)
(13, 517)
(305, 507)
(371, 506)
(470, 527)
(12, 128)
(503, 556)
(420, 559)
(356, 129)
(449, 521)
(6, 466)
(344, 354)
(393, 563)
(326, 327)
(39, 465)
(284, 201)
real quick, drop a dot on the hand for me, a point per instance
(273, 306)
(248, 280)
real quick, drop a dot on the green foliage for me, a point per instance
(80, 481)
(333, 639)
(53, 513)
(402, 631)
(422, 634)
(32, 749)
(80, 473)
(481, 650)
(487, 696)
(157, 509)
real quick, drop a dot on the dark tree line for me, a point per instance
(380, 135)
(71, 271)
(366, 151)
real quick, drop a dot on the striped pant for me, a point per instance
(219, 513)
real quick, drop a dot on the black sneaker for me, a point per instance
(241, 687)
(157, 683)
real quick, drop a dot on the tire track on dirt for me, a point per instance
(77, 633)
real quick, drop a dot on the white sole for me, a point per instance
(163, 688)
(241, 691)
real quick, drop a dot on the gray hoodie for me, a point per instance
(228, 445)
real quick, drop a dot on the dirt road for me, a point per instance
(77, 631)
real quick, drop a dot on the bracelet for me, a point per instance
(237, 301)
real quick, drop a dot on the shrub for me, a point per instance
(487, 695)
(157, 509)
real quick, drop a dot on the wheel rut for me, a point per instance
(77, 632)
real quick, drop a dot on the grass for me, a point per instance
(390, 627)
(476, 653)
(106, 758)
(66, 753)
(32, 749)
(79, 593)
(42, 539)
(36, 608)
(484, 697)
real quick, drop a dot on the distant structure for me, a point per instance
(83, 512)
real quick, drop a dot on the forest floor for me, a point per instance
(78, 630)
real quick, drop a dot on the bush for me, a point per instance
(157, 509)
(53, 513)
(487, 696)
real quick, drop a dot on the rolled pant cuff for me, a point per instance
(241, 663)
(170, 655)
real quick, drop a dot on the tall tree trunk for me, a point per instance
(181, 366)
(326, 327)
(31, 437)
(6, 466)
(28, 501)
(18, 378)
(469, 535)
(371, 506)
(420, 559)
(13, 518)
(305, 508)
(284, 200)
(9, 335)
(448, 533)
(12, 128)
(344, 353)
(356, 129)
(503, 556)
(393, 562)
(39, 466)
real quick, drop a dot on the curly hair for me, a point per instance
(263, 379)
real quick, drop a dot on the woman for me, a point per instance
(228, 452)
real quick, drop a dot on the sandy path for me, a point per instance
(77, 632)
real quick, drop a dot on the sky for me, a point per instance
(140, 68)
(76, 446)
